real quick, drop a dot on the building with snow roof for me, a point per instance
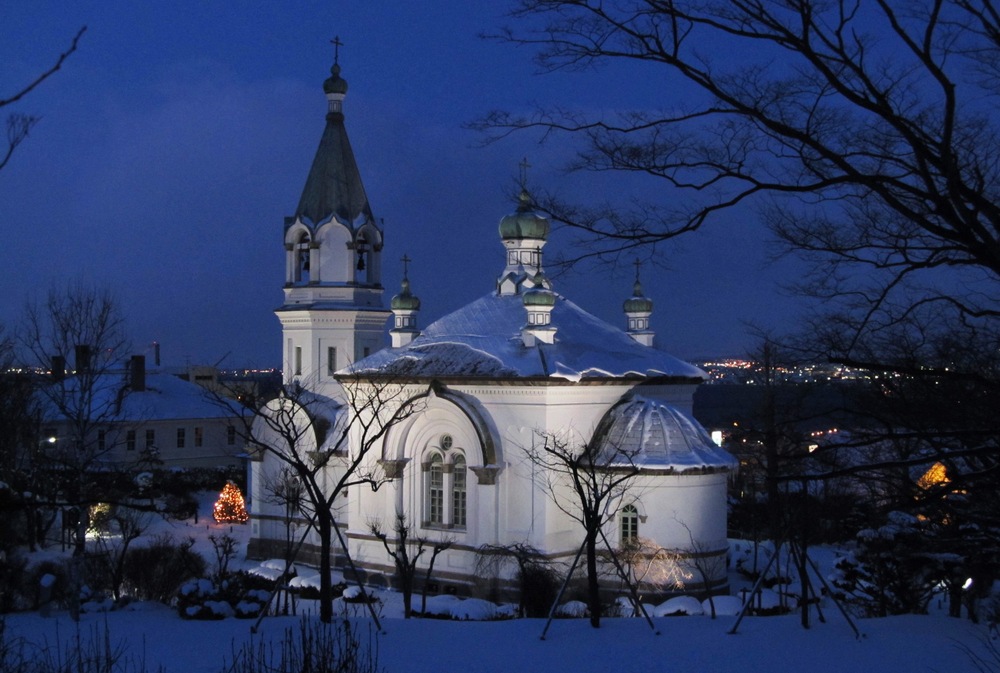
(488, 384)
(138, 417)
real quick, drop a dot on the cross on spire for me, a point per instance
(638, 265)
(337, 44)
(524, 166)
(405, 259)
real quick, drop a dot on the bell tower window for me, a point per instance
(301, 252)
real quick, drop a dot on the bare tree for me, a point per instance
(861, 129)
(19, 125)
(650, 565)
(872, 116)
(19, 424)
(586, 482)
(326, 446)
(116, 533)
(85, 323)
(865, 135)
(536, 575)
(405, 551)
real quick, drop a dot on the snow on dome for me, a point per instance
(524, 223)
(653, 434)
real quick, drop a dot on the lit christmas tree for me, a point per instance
(230, 508)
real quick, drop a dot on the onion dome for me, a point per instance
(652, 434)
(335, 83)
(524, 223)
(539, 296)
(637, 303)
(405, 300)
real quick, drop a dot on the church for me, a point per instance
(485, 387)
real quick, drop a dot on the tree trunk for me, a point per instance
(593, 587)
(406, 587)
(325, 586)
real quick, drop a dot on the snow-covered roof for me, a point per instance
(649, 433)
(166, 397)
(483, 340)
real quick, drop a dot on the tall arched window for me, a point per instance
(628, 523)
(435, 491)
(458, 493)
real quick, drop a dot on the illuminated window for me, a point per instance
(435, 491)
(458, 493)
(629, 523)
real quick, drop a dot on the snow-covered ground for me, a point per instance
(158, 636)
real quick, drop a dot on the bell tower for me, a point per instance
(333, 312)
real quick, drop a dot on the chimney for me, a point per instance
(137, 373)
(58, 367)
(82, 358)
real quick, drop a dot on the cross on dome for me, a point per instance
(337, 44)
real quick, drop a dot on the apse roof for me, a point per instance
(650, 433)
(483, 340)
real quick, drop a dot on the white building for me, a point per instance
(489, 381)
(136, 418)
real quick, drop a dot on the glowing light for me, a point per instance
(230, 507)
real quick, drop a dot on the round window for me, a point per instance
(446, 442)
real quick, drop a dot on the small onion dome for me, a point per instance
(655, 435)
(539, 296)
(335, 83)
(525, 223)
(405, 301)
(638, 303)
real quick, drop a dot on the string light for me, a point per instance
(230, 507)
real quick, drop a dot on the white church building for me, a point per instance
(487, 384)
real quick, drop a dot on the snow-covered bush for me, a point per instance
(573, 609)
(154, 572)
(678, 606)
(446, 606)
(239, 595)
(893, 571)
(306, 585)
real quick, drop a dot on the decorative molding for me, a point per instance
(487, 475)
(393, 469)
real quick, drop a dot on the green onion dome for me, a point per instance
(335, 83)
(539, 296)
(405, 301)
(524, 223)
(638, 303)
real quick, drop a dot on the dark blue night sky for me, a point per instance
(177, 139)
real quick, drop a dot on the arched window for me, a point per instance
(301, 251)
(458, 493)
(628, 523)
(435, 491)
